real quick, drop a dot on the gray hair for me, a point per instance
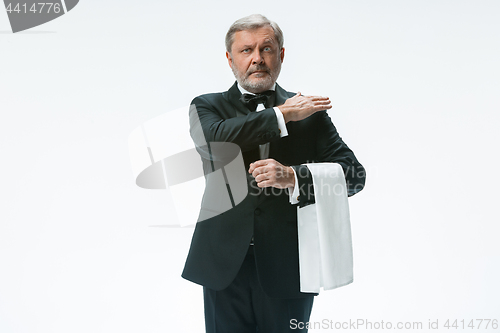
(251, 22)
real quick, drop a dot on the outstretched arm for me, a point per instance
(253, 129)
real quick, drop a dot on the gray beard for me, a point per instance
(259, 86)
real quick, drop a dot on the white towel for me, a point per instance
(324, 229)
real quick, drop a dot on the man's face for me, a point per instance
(256, 59)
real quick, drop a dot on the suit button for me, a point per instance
(257, 211)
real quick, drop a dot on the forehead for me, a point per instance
(254, 36)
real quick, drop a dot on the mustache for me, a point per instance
(258, 68)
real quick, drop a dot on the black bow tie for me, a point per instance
(251, 101)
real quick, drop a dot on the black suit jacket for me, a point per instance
(220, 243)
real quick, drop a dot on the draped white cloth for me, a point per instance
(324, 230)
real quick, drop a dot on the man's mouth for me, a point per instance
(259, 72)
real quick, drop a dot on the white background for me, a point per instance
(415, 88)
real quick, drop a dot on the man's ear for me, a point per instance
(282, 54)
(229, 59)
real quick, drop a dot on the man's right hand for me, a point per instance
(300, 107)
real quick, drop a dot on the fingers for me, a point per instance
(320, 103)
(271, 173)
(258, 163)
(259, 171)
(274, 179)
(301, 106)
(262, 169)
(263, 184)
(266, 177)
(262, 177)
(315, 97)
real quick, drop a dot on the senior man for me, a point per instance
(247, 257)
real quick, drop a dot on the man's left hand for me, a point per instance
(271, 173)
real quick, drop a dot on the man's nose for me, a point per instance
(257, 57)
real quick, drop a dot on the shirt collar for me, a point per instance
(243, 91)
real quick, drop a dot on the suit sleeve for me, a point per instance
(247, 131)
(333, 149)
(330, 148)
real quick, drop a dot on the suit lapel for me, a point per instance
(281, 95)
(233, 97)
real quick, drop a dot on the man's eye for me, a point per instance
(246, 50)
(267, 49)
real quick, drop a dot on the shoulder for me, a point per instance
(208, 98)
(218, 97)
(283, 94)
